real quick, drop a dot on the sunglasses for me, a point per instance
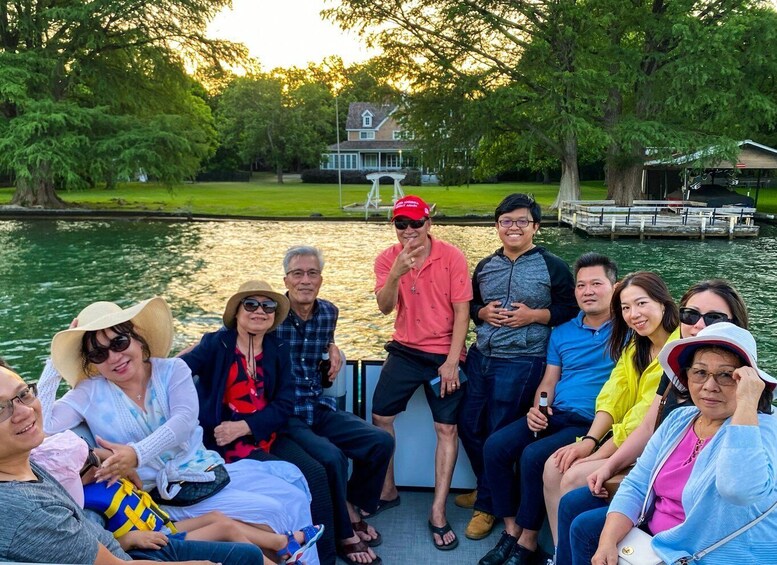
(252, 304)
(690, 317)
(26, 397)
(99, 353)
(92, 460)
(404, 224)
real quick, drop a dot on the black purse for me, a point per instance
(192, 493)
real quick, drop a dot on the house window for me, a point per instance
(392, 161)
(348, 161)
(366, 135)
(402, 135)
(367, 119)
(370, 161)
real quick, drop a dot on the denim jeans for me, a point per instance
(499, 391)
(581, 518)
(219, 552)
(514, 448)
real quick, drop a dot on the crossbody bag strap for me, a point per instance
(700, 554)
(662, 405)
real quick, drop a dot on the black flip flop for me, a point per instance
(441, 532)
(383, 505)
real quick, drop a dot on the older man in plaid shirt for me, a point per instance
(329, 435)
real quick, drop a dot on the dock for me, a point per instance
(657, 218)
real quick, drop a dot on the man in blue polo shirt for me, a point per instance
(577, 367)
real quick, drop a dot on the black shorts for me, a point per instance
(404, 370)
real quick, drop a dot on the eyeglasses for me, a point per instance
(252, 304)
(700, 376)
(690, 316)
(99, 353)
(299, 274)
(404, 224)
(26, 397)
(520, 222)
(92, 460)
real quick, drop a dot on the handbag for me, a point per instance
(635, 549)
(192, 493)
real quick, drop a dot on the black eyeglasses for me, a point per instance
(26, 397)
(99, 353)
(690, 316)
(251, 305)
(520, 222)
(404, 224)
(92, 460)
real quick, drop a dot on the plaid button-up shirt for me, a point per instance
(307, 340)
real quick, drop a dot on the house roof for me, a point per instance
(379, 114)
(752, 156)
(372, 145)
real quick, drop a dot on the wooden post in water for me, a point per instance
(703, 227)
(641, 229)
(612, 231)
(731, 221)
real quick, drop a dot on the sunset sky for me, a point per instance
(284, 33)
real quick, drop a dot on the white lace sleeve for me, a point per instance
(184, 411)
(58, 416)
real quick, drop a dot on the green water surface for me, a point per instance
(50, 270)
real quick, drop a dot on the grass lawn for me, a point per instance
(263, 196)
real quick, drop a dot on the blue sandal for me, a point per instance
(293, 550)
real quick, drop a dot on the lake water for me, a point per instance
(50, 270)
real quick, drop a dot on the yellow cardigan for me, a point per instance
(626, 395)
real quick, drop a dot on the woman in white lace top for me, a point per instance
(144, 408)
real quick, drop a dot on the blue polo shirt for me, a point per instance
(581, 352)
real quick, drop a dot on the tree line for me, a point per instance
(98, 91)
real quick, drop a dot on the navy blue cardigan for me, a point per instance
(210, 361)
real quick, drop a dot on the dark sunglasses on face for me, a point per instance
(251, 305)
(404, 224)
(26, 397)
(99, 353)
(690, 316)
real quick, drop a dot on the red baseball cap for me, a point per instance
(410, 207)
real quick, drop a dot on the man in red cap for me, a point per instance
(427, 282)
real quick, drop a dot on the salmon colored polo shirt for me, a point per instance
(425, 318)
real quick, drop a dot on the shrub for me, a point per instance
(328, 176)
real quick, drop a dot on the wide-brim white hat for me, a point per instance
(152, 319)
(255, 288)
(677, 355)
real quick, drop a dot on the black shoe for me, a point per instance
(501, 551)
(521, 556)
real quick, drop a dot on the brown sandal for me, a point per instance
(361, 526)
(346, 549)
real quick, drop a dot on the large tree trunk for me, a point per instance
(624, 181)
(279, 172)
(37, 192)
(569, 188)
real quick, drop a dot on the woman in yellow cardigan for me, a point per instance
(644, 318)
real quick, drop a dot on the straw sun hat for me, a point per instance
(152, 320)
(677, 355)
(255, 288)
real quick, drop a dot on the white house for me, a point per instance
(376, 141)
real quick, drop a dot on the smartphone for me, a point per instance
(436, 382)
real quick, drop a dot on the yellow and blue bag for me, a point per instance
(126, 508)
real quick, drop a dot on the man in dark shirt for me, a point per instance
(329, 435)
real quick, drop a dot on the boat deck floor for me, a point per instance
(407, 539)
